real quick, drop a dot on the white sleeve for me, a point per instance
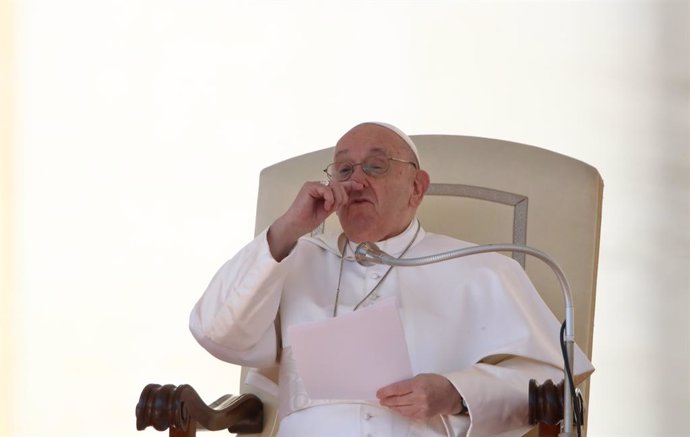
(234, 318)
(497, 394)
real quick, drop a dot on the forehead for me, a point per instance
(370, 139)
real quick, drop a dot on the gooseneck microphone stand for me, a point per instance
(368, 254)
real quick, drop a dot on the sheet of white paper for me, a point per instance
(351, 356)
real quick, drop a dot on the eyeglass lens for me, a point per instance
(373, 166)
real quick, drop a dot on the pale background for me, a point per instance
(133, 132)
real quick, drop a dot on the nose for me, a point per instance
(358, 174)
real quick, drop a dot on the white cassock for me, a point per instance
(476, 320)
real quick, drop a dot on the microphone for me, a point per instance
(368, 254)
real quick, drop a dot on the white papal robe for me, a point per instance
(476, 320)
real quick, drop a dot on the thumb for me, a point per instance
(396, 389)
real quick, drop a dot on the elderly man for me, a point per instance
(475, 328)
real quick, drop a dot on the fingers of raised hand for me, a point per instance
(326, 193)
(334, 195)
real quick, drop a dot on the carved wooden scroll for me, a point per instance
(181, 410)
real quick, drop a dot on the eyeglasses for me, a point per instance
(372, 166)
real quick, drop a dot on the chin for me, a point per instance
(361, 224)
(360, 231)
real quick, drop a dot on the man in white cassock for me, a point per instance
(476, 329)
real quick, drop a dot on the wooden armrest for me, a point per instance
(546, 407)
(545, 402)
(181, 409)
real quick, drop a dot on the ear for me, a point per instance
(419, 186)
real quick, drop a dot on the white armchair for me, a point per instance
(484, 191)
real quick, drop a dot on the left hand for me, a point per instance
(422, 397)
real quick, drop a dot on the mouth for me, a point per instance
(360, 201)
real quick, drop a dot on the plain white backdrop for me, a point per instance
(142, 125)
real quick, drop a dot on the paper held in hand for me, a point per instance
(351, 356)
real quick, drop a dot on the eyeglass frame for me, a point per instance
(361, 164)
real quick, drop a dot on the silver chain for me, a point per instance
(340, 273)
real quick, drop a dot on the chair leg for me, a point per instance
(191, 431)
(546, 430)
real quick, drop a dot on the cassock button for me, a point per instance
(375, 275)
(368, 417)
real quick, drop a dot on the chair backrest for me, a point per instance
(487, 191)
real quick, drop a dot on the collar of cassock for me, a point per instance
(393, 246)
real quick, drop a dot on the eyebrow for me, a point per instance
(373, 151)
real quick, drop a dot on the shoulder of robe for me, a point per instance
(437, 243)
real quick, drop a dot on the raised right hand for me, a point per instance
(313, 204)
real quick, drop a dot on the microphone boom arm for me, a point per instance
(368, 254)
